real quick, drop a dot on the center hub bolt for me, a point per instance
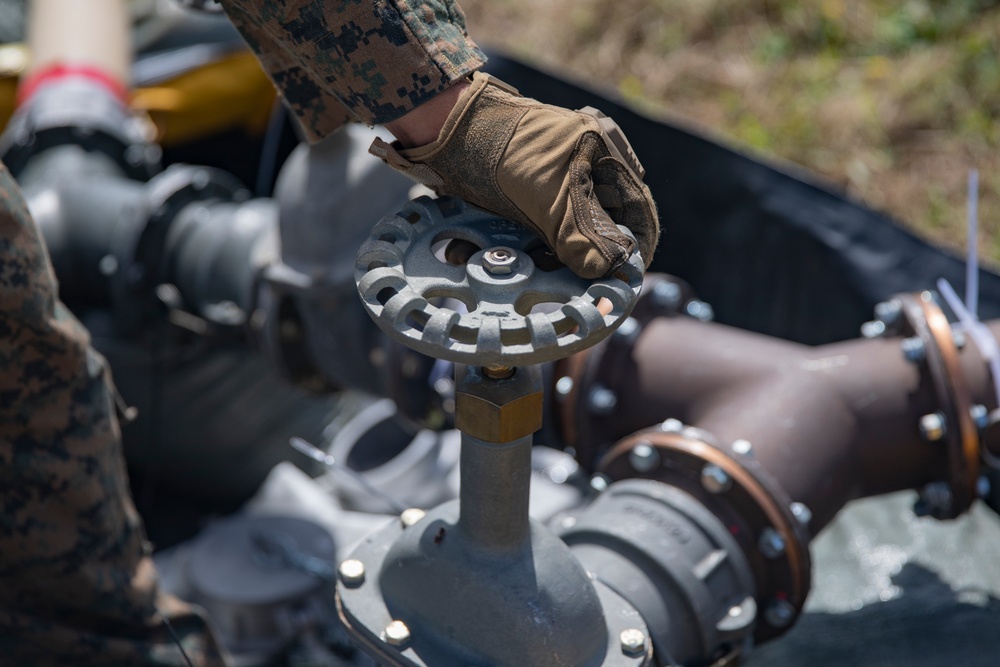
(499, 261)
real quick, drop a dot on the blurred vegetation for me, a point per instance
(892, 101)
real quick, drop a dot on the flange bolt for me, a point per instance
(352, 572)
(779, 614)
(913, 349)
(644, 457)
(932, 427)
(396, 633)
(411, 516)
(633, 641)
(602, 401)
(715, 480)
(771, 543)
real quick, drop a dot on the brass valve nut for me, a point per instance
(486, 420)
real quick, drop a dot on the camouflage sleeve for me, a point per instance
(77, 585)
(370, 61)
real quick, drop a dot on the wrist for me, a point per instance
(423, 124)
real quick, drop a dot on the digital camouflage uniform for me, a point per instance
(341, 60)
(77, 585)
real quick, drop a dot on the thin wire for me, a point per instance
(317, 454)
(972, 256)
(177, 640)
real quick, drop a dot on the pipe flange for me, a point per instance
(521, 309)
(398, 637)
(933, 346)
(754, 508)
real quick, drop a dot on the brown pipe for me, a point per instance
(829, 423)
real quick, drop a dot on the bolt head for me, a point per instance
(932, 427)
(913, 349)
(396, 633)
(351, 572)
(802, 513)
(873, 329)
(980, 415)
(983, 487)
(628, 330)
(771, 544)
(667, 295)
(602, 401)
(411, 516)
(888, 311)
(779, 614)
(700, 310)
(672, 425)
(599, 483)
(633, 641)
(715, 480)
(564, 385)
(742, 447)
(499, 261)
(644, 457)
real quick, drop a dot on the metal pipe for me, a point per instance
(829, 423)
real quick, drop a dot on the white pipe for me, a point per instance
(91, 33)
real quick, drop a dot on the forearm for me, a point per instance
(372, 62)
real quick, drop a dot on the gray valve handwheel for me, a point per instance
(420, 267)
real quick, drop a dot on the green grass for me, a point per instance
(893, 102)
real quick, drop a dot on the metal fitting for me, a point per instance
(801, 513)
(628, 330)
(499, 261)
(564, 385)
(599, 483)
(873, 329)
(602, 401)
(715, 480)
(644, 457)
(933, 427)
(396, 633)
(672, 425)
(914, 349)
(779, 614)
(700, 310)
(501, 415)
(667, 295)
(980, 415)
(888, 312)
(352, 572)
(633, 641)
(411, 516)
(742, 447)
(771, 544)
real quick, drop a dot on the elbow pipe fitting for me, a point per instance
(783, 434)
(676, 562)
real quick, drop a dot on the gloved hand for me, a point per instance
(565, 174)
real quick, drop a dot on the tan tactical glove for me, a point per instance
(568, 175)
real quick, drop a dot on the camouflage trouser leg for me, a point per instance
(77, 585)
(365, 60)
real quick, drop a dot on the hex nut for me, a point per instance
(715, 480)
(499, 261)
(633, 641)
(485, 420)
(771, 543)
(411, 516)
(933, 427)
(644, 457)
(779, 614)
(351, 572)
(396, 633)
